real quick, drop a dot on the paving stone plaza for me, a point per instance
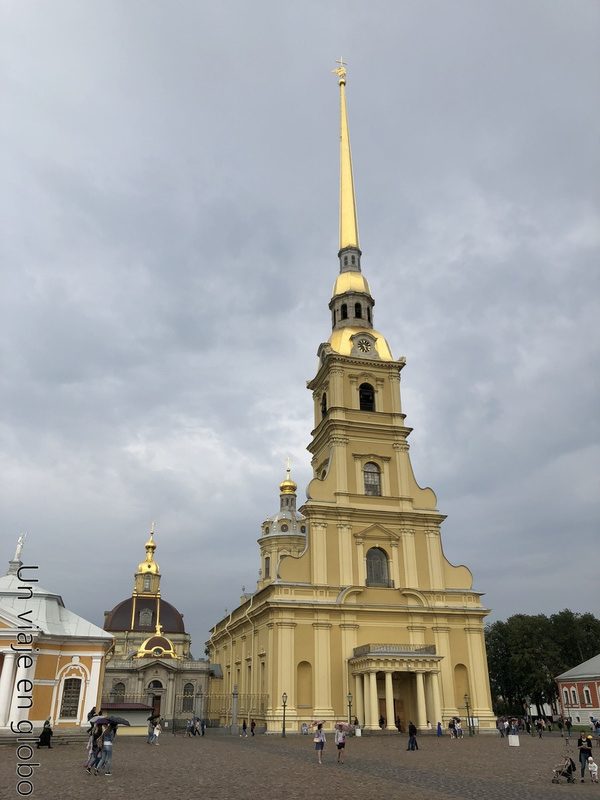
(222, 767)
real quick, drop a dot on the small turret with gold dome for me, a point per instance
(147, 575)
(284, 532)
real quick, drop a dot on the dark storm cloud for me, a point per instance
(169, 216)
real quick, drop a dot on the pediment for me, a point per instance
(376, 533)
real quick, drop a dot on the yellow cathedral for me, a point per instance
(357, 612)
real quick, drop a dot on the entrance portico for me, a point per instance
(396, 681)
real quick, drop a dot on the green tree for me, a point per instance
(526, 653)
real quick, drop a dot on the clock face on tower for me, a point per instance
(364, 345)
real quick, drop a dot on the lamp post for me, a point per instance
(284, 704)
(468, 715)
(349, 699)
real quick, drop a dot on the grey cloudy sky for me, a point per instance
(169, 238)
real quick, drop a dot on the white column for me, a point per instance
(92, 698)
(435, 694)
(23, 673)
(389, 703)
(367, 716)
(6, 686)
(421, 709)
(373, 703)
(435, 558)
(359, 703)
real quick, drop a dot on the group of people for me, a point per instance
(584, 745)
(101, 737)
(154, 729)
(320, 740)
(196, 727)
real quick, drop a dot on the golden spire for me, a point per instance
(288, 486)
(348, 221)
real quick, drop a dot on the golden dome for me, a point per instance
(288, 486)
(149, 566)
(350, 282)
(341, 342)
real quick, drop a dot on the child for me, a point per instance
(593, 768)
(340, 741)
(319, 740)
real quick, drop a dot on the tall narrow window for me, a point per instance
(354, 259)
(565, 697)
(146, 583)
(334, 317)
(366, 397)
(587, 697)
(368, 313)
(188, 697)
(323, 404)
(70, 699)
(358, 310)
(344, 311)
(574, 697)
(372, 476)
(267, 567)
(377, 567)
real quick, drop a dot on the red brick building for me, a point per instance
(579, 691)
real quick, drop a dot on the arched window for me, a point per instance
(574, 697)
(69, 704)
(565, 697)
(119, 689)
(155, 685)
(146, 583)
(372, 476)
(188, 697)
(358, 310)
(267, 567)
(344, 311)
(366, 397)
(377, 567)
(587, 697)
(145, 617)
(368, 313)
(323, 404)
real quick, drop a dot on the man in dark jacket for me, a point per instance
(412, 737)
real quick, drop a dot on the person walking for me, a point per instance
(45, 736)
(244, 732)
(568, 725)
(150, 730)
(439, 730)
(95, 749)
(156, 733)
(202, 726)
(584, 745)
(340, 743)
(252, 727)
(107, 749)
(412, 736)
(319, 739)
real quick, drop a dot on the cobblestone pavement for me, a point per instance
(221, 767)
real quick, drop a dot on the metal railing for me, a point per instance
(394, 649)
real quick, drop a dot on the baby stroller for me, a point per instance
(564, 770)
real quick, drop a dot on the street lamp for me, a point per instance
(349, 699)
(468, 715)
(284, 704)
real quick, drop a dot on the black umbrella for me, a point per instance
(119, 721)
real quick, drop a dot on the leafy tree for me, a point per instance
(526, 652)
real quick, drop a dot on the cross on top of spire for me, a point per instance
(341, 70)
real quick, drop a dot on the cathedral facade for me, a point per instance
(150, 669)
(357, 612)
